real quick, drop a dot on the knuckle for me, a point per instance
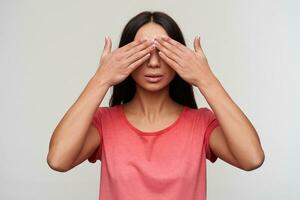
(130, 66)
(138, 55)
(134, 43)
(145, 44)
(134, 57)
(118, 57)
(150, 48)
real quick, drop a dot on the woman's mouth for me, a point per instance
(153, 78)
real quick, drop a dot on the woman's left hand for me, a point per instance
(192, 66)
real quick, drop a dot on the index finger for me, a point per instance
(173, 42)
(133, 44)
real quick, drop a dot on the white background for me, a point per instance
(50, 49)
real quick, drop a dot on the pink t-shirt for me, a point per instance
(169, 164)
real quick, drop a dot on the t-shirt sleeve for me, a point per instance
(96, 122)
(211, 122)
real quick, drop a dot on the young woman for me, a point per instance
(153, 140)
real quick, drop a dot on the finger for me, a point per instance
(140, 54)
(132, 44)
(138, 62)
(169, 61)
(197, 45)
(168, 53)
(107, 46)
(138, 48)
(199, 42)
(169, 46)
(175, 43)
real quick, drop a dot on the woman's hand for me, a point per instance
(115, 66)
(192, 66)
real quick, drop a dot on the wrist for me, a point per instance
(99, 82)
(210, 85)
(210, 81)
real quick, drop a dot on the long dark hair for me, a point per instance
(179, 90)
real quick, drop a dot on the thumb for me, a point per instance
(107, 46)
(197, 45)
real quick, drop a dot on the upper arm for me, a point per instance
(219, 146)
(91, 147)
(215, 141)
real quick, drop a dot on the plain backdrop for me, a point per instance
(50, 49)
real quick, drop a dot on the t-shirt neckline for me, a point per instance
(152, 133)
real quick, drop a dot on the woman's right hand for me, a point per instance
(115, 66)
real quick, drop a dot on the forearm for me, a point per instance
(69, 135)
(241, 136)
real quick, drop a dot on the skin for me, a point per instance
(236, 140)
(74, 139)
(152, 109)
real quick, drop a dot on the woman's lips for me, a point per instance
(153, 79)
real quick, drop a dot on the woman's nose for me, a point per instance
(154, 59)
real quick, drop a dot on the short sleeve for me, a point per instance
(211, 122)
(96, 122)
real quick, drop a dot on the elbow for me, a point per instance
(256, 163)
(55, 165)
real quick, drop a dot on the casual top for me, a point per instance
(169, 164)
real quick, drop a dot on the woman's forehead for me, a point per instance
(150, 31)
(149, 36)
